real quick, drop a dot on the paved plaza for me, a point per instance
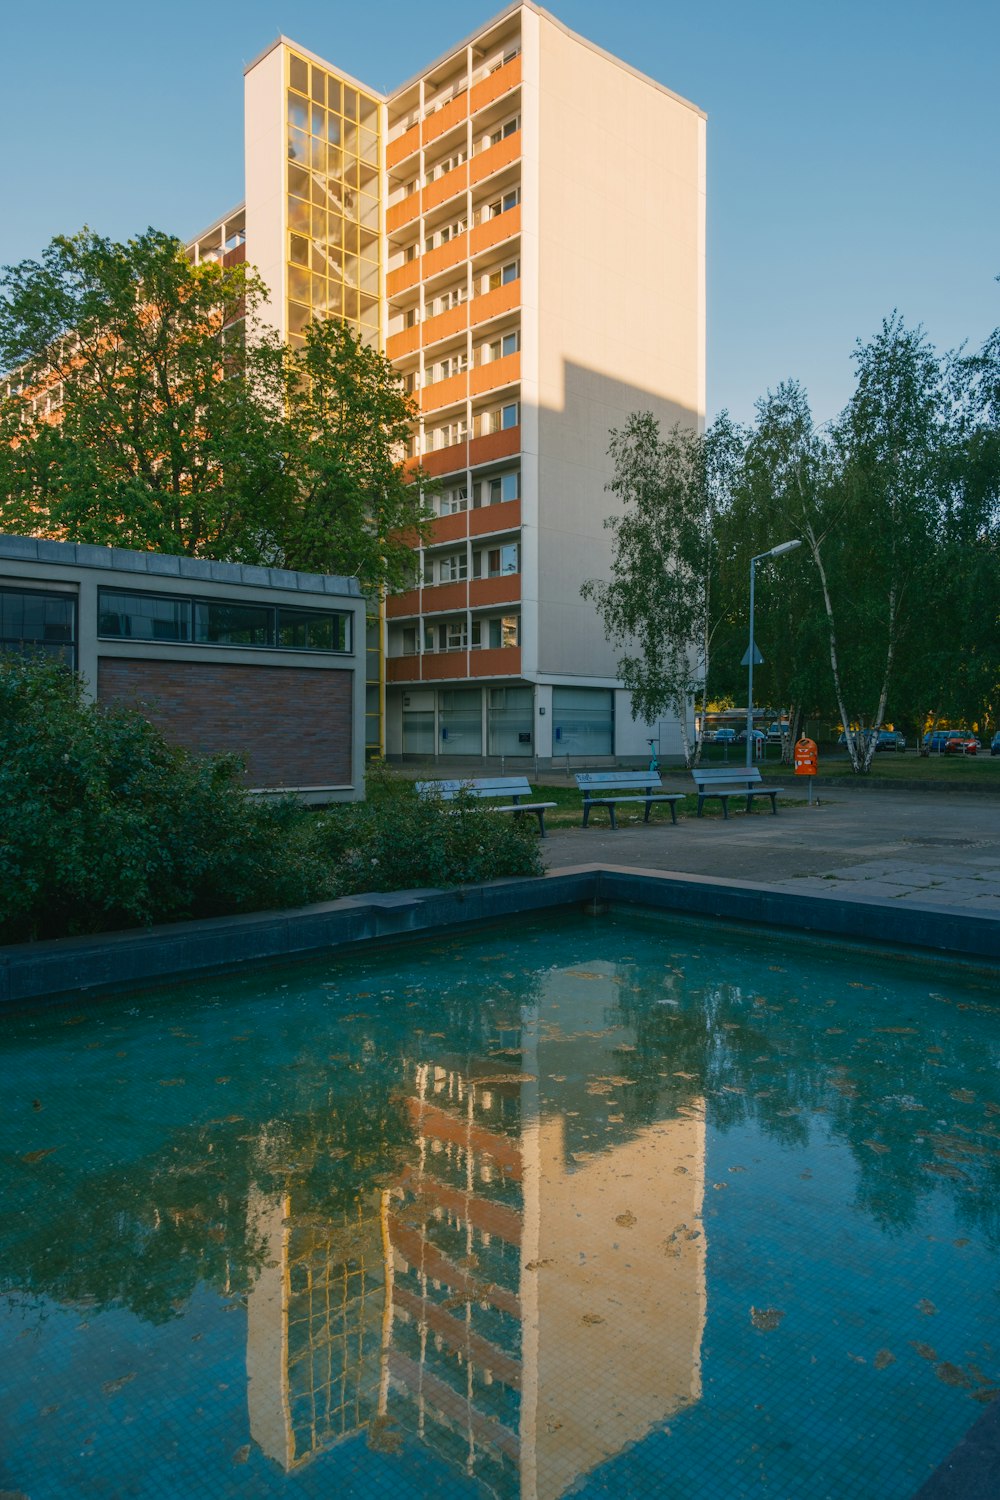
(867, 843)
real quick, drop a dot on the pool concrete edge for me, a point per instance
(31, 972)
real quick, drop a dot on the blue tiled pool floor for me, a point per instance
(604, 1207)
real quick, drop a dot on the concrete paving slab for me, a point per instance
(909, 846)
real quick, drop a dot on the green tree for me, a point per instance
(353, 507)
(151, 407)
(954, 674)
(894, 503)
(764, 508)
(883, 506)
(657, 606)
(139, 416)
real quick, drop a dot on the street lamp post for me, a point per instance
(751, 655)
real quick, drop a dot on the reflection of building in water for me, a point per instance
(542, 1296)
(548, 1288)
(455, 1230)
(314, 1328)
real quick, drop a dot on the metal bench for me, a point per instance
(608, 788)
(725, 782)
(512, 788)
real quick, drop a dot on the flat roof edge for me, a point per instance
(287, 41)
(168, 565)
(547, 15)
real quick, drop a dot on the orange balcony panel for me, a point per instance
(491, 304)
(439, 666)
(236, 256)
(403, 212)
(402, 278)
(497, 372)
(503, 590)
(498, 661)
(403, 604)
(452, 528)
(444, 596)
(503, 227)
(408, 535)
(446, 324)
(503, 517)
(417, 1250)
(454, 1332)
(444, 118)
(455, 181)
(440, 1124)
(446, 255)
(401, 344)
(402, 669)
(446, 460)
(469, 1208)
(495, 157)
(445, 392)
(486, 450)
(488, 89)
(404, 145)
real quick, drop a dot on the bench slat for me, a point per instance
(608, 788)
(486, 788)
(725, 782)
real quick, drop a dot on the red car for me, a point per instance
(961, 744)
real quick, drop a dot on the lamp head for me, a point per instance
(784, 547)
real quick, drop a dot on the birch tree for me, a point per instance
(656, 607)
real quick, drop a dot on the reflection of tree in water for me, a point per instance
(144, 1233)
(145, 1236)
(894, 1099)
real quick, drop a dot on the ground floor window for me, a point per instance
(583, 721)
(450, 721)
(509, 721)
(418, 731)
(460, 722)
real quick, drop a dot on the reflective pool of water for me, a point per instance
(605, 1206)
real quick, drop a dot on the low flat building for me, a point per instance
(262, 662)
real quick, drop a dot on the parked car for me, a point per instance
(995, 744)
(940, 740)
(758, 737)
(776, 733)
(725, 736)
(890, 739)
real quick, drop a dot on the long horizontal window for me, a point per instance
(163, 618)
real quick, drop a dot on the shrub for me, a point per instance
(104, 824)
(396, 840)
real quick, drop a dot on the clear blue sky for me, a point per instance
(852, 158)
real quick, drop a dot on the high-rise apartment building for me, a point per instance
(521, 228)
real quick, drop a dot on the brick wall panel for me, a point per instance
(291, 724)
